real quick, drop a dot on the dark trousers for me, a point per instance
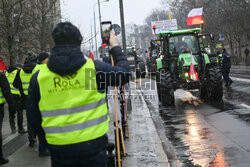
(1, 124)
(12, 112)
(226, 77)
(31, 133)
(42, 147)
(97, 159)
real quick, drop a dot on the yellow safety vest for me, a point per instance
(72, 109)
(25, 79)
(38, 67)
(219, 59)
(2, 99)
(11, 77)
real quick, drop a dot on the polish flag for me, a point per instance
(91, 54)
(3, 66)
(192, 72)
(195, 17)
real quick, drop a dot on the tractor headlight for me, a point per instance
(186, 74)
(186, 68)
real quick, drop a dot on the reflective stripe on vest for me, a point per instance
(2, 99)
(11, 77)
(76, 127)
(71, 111)
(25, 78)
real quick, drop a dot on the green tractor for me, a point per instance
(180, 49)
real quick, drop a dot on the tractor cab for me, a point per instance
(185, 63)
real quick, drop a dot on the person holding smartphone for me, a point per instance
(67, 97)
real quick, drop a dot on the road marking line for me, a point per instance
(244, 105)
(241, 79)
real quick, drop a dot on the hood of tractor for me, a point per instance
(185, 59)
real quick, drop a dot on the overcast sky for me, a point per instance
(80, 12)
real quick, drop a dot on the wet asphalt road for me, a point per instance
(202, 134)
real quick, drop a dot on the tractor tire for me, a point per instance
(214, 85)
(203, 93)
(167, 89)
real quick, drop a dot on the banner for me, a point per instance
(164, 26)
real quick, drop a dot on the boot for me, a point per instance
(32, 143)
(22, 131)
(3, 161)
(44, 154)
(13, 131)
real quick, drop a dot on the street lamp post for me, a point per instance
(100, 19)
(124, 45)
(95, 32)
(99, 2)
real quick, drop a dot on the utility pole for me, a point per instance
(124, 45)
(99, 7)
(100, 22)
(91, 36)
(95, 35)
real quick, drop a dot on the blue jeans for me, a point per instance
(97, 159)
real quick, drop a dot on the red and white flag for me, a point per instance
(195, 17)
(91, 54)
(192, 72)
(3, 66)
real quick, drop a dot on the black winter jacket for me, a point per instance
(226, 62)
(28, 68)
(66, 60)
(5, 87)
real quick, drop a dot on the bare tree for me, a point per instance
(229, 17)
(27, 25)
(41, 17)
(10, 16)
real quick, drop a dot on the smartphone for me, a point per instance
(106, 28)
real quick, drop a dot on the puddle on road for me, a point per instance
(195, 143)
(185, 134)
(192, 138)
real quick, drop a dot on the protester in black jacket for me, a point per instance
(66, 58)
(18, 108)
(5, 89)
(29, 65)
(226, 66)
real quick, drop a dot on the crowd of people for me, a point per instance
(66, 108)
